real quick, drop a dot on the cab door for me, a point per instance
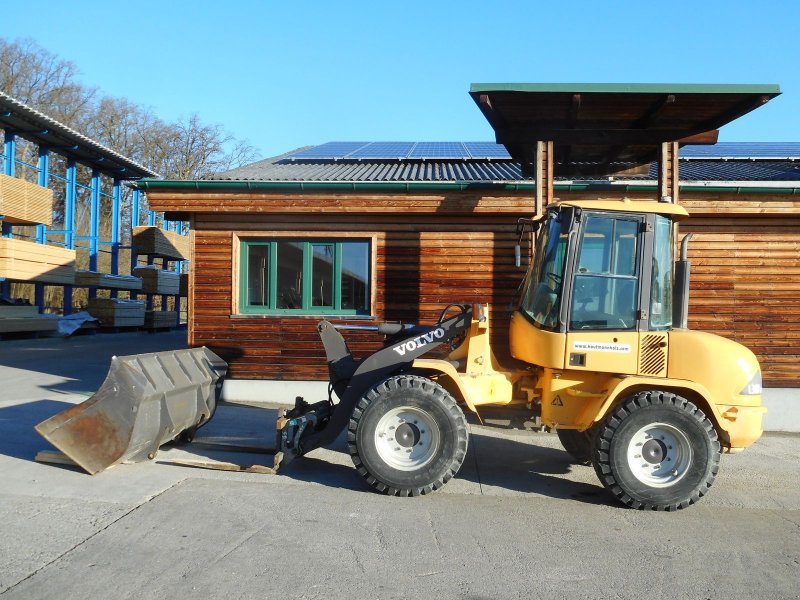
(605, 316)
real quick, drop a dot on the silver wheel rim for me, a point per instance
(407, 438)
(659, 455)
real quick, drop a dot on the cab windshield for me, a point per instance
(541, 298)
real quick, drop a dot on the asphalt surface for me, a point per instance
(519, 521)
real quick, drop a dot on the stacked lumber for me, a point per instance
(24, 202)
(183, 288)
(158, 281)
(159, 242)
(114, 312)
(21, 260)
(16, 319)
(108, 281)
(160, 319)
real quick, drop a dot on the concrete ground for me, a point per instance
(519, 521)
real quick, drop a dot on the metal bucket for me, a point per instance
(145, 401)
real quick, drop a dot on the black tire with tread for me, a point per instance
(614, 434)
(578, 444)
(416, 391)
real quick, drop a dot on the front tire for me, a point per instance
(407, 436)
(657, 451)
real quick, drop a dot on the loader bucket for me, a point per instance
(145, 401)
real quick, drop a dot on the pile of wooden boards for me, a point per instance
(158, 281)
(14, 319)
(21, 260)
(24, 202)
(107, 281)
(160, 319)
(115, 312)
(159, 242)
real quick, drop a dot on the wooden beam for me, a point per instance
(709, 137)
(668, 171)
(652, 113)
(543, 160)
(591, 137)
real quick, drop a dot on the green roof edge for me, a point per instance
(299, 186)
(633, 88)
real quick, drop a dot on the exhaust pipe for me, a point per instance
(680, 301)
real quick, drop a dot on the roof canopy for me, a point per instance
(37, 127)
(594, 126)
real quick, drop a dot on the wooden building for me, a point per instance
(285, 241)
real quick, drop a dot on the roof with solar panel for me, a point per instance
(488, 162)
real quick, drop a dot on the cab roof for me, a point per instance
(673, 211)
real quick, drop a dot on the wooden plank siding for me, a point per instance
(435, 248)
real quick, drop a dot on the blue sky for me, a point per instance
(288, 74)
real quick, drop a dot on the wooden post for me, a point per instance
(543, 161)
(668, 171)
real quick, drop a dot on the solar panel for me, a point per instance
(743, 150)
(439, 150)
(392, 150)
(330, 150)
(486, 150)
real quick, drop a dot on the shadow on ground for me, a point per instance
(498, 464)
(18, 438)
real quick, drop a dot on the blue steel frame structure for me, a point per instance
(94, 240)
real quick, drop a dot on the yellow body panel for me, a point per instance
(706, 369)
(536, 346)
(723, 366)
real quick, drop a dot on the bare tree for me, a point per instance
(188, 149)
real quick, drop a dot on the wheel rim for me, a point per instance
(659, 455)
(407, 438)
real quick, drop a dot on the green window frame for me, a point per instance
(318, 275)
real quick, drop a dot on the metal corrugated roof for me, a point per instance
(384, 170)
(36, 126)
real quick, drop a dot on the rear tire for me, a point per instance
(578, 445)
(657, 451)
(407, 436)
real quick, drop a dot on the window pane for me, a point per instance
(355, 276)
(257, 278)
(322, 275)
(596, 248)
(542, 297)
(609, 246)
(661, 291)
(604, 302)
(626, 234)
(290, 275)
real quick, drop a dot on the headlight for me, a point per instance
(754, 387)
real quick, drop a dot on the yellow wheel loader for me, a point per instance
(600, 357)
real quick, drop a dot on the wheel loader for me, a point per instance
(598, 357)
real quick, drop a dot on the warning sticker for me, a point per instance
(601, 347)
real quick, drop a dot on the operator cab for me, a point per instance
(601, 271)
